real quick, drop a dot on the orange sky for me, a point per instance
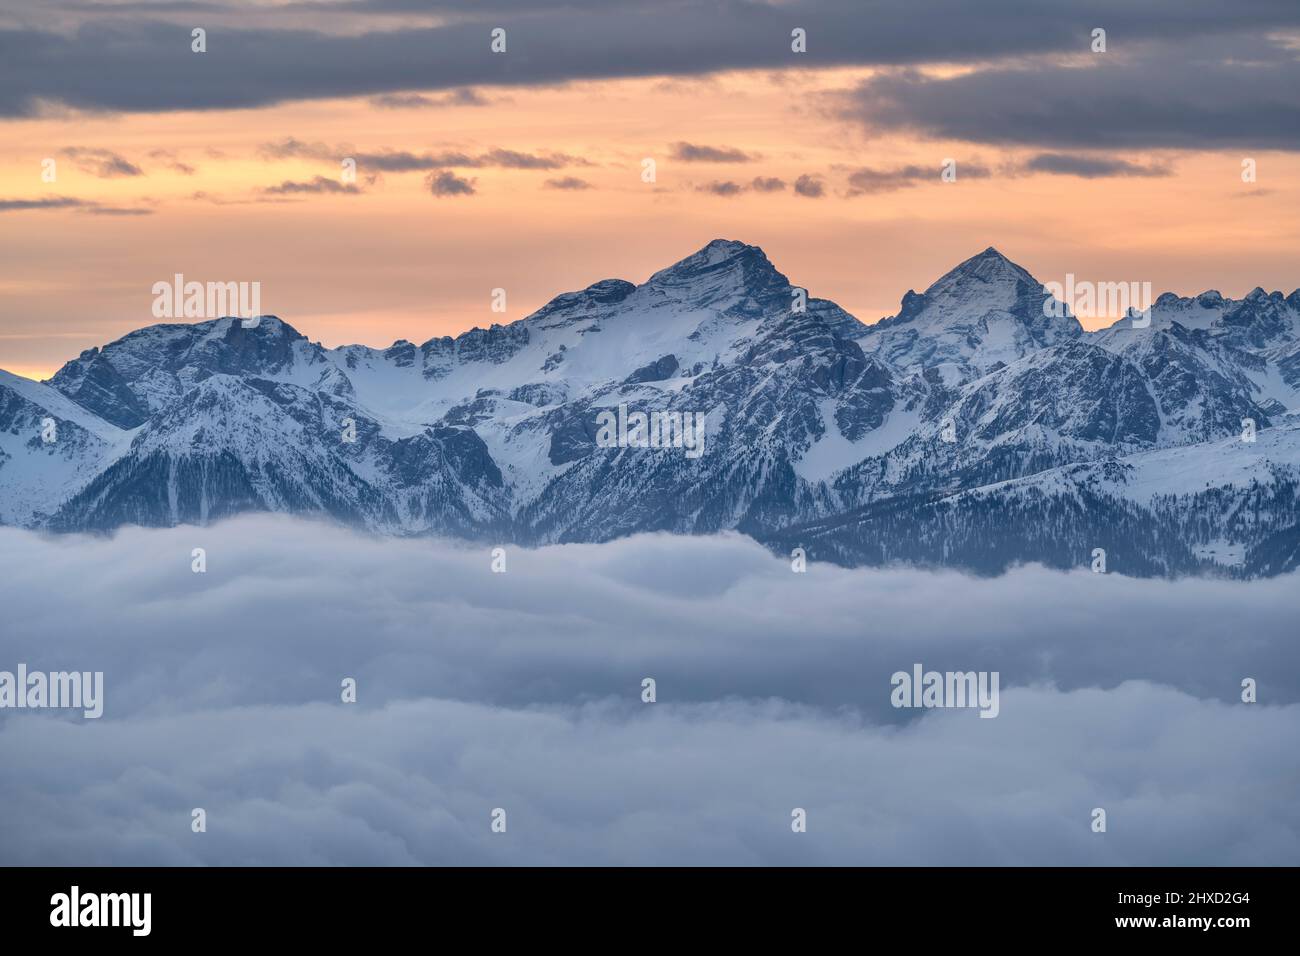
(397, 262)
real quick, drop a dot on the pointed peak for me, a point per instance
(749, 264)
(990, 258)
(720, 251)
(988, 268)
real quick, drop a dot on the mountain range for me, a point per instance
(976, 428)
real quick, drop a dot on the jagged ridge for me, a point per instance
(924, 437)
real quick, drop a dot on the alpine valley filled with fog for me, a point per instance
(523, 691)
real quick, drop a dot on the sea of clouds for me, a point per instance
(522, 690)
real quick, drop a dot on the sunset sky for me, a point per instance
(522, 170)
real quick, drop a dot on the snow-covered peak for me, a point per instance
(1258, 322)
(223, 344)
(810, 418)
(989, 279)
(986, 311)
(724, 269)
(718, 252)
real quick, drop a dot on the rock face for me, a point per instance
(976, 428)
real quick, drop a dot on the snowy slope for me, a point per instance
(37, 476)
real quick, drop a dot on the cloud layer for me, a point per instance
(1224, 92)
(522, 690)
(82, 56)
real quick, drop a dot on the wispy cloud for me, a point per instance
(102, 163)
(87, 206)
(409, 101)
(725, 188)
(865, 180)
(96, 210)
(513, 159)
(318, 185)
(568, 182)
(53, 202)
(401, 161)
(694, 153)
(170, 160)
(218, 200)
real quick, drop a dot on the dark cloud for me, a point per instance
(406, 101)
(318, 185)
(721, 188)
(512, 159)
(54, 202)
(97, 210)
(127, 61)
(1090, 167)
(568, 182)
(522, 690)
(867, 180)
(809, 186)
(1229, 92)
(804, 186)
(455, 6)
(102, 163)
(447, 183)
(401, 161)
(67, 202)
(692, 153)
